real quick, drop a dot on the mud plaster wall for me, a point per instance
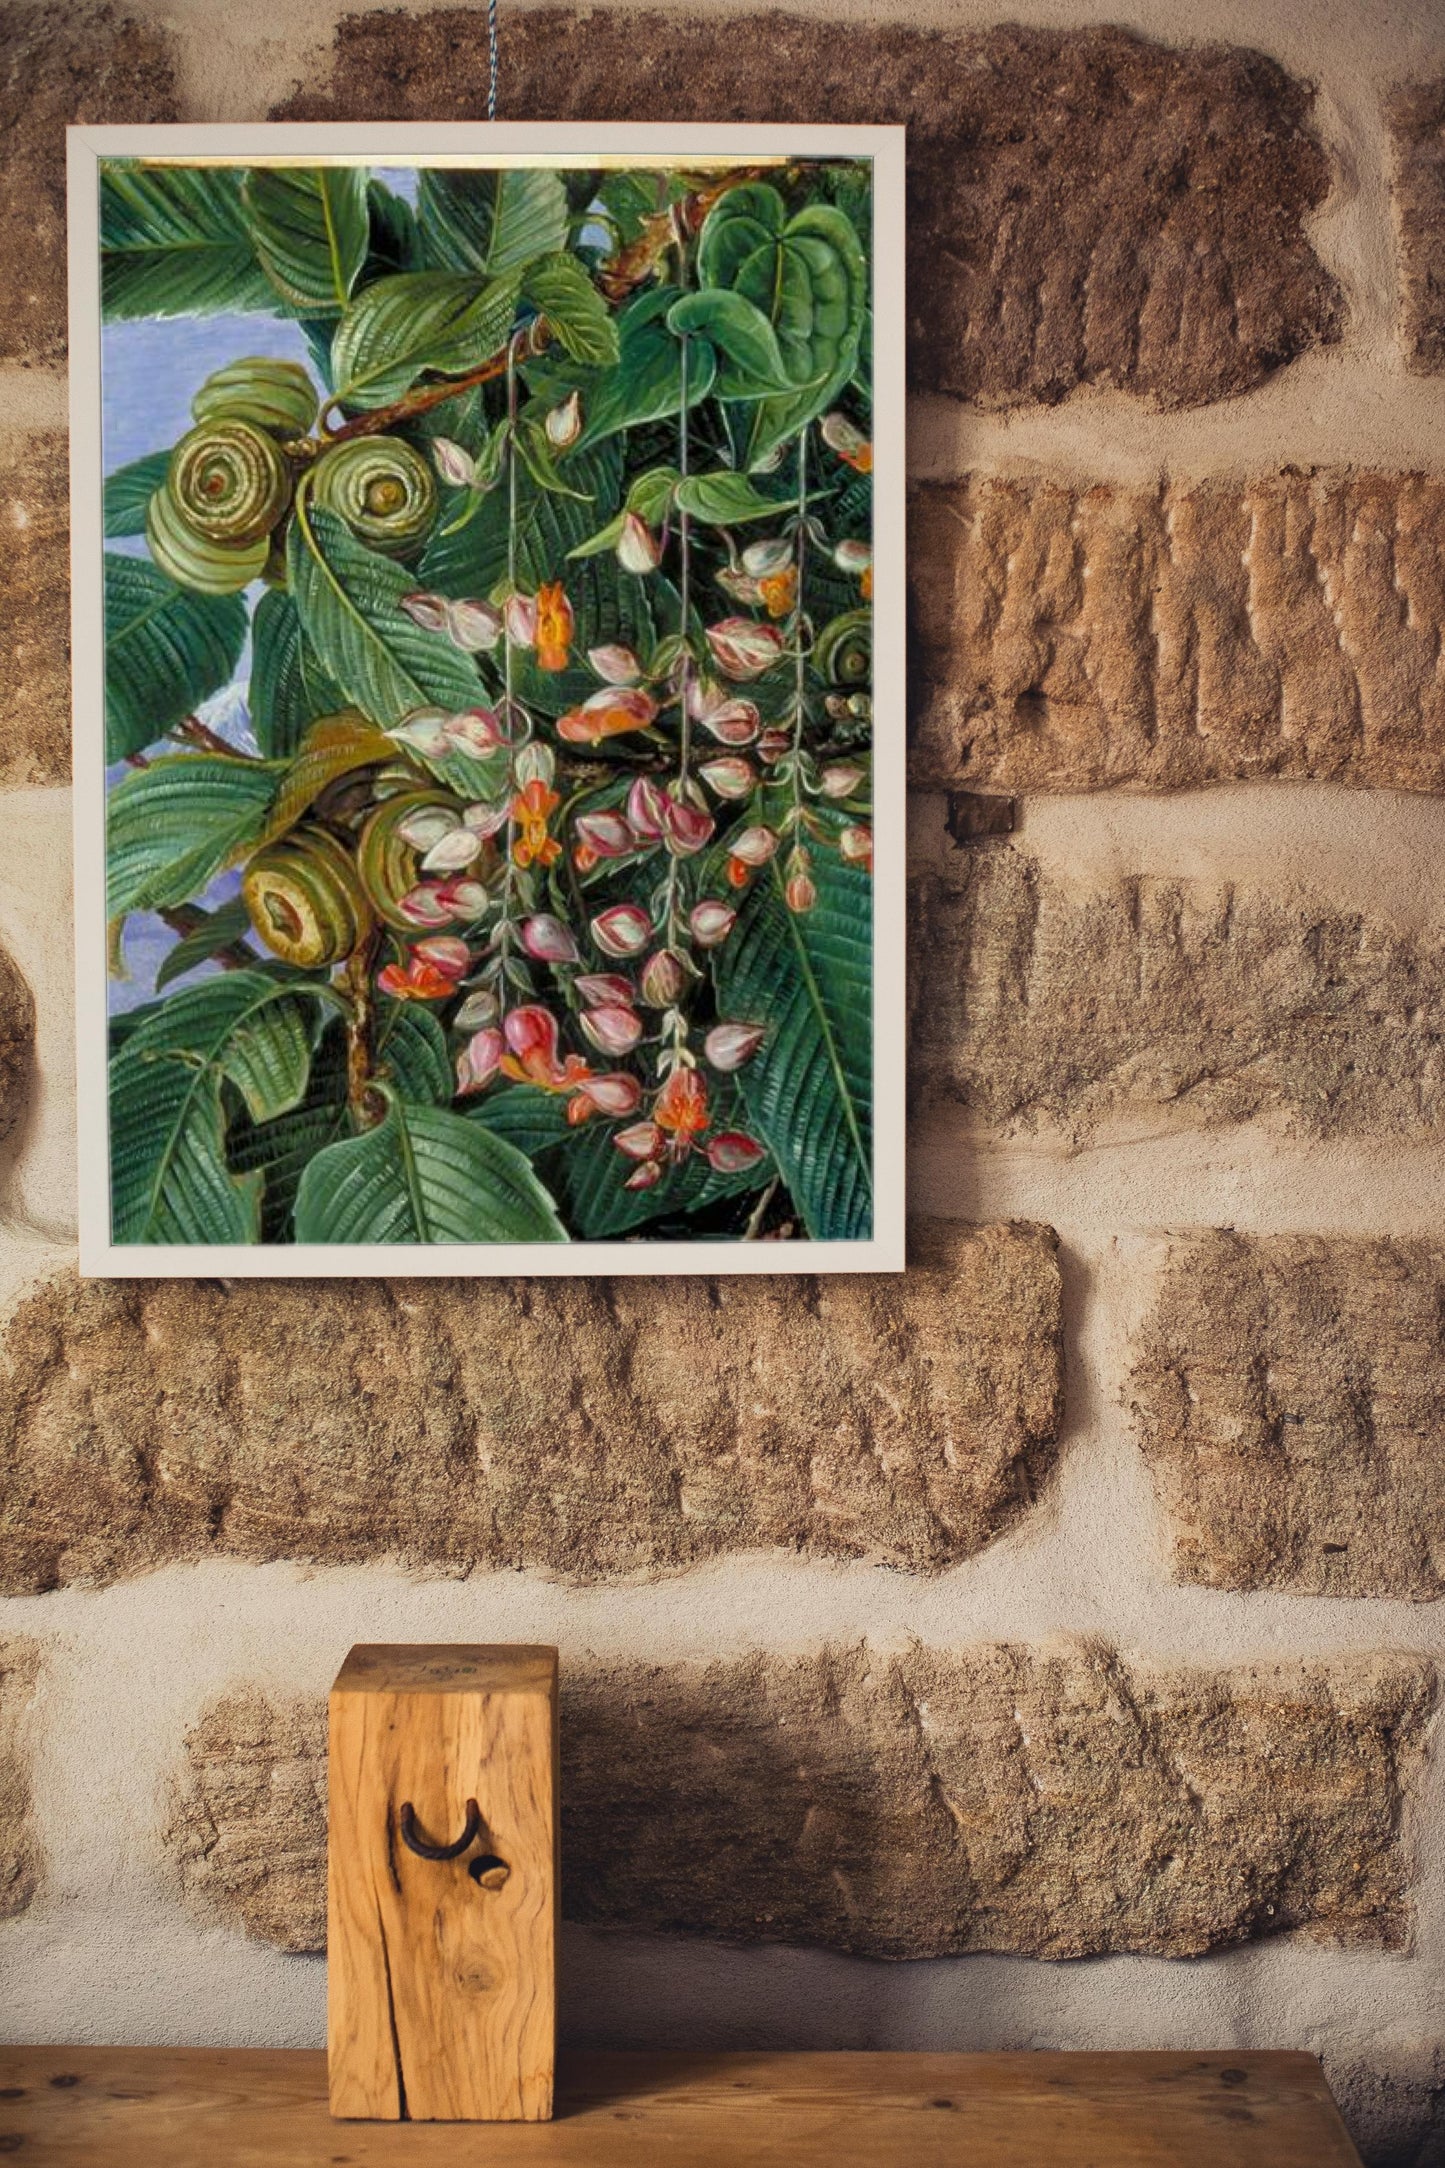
(1145, 1483)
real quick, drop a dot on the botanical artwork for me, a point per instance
(488, 701)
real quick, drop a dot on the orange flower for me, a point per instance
(682, 1106)
(531, 809)
(531, 1057)
(779, 591)
(865, 585)
(555, 625)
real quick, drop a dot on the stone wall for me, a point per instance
(1078, 1594)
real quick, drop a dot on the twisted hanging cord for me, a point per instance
(491, 59)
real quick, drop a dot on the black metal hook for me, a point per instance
(423, 1850)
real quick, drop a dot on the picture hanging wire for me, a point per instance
(491, 59)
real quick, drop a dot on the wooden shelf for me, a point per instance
(242, 2108)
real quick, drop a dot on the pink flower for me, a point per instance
(801, 894)
(474, 626)
(520, 617)
(724, 716)
(476, 730)
(855, 846)
(643, 1141)
(840, 781)
(457, 848)
(623, 930)
(646, 804)
(686, 829)
(728, 1046)
(743, 649)
(732, 1152)
(479, 1008)
(424, 729)
(645, 1177)
(728, 778)
(604, 835)
(445, 953)
(711, 922)
(564, 423)
(428, 611)
(487, 820)
(459, 899)
(426, 825)
(548, 940)
(603, 989)
(773, 745)
(663, 979)
(614, 1094)
(618, 665)
(638, 549)
(611, 1030)
(428, 906)
(453, 462)
(754, 847)
(607, 715)
(431, 971)
(479, 1060)
(532, 1058)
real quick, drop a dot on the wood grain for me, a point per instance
(174, 2107)
(441, 1988)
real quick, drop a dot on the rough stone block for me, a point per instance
(1085, 207)
(588, 1427)
(17, 1043)
(34, 610)
(1290, 1397)
(61, 65)
(1049, 1802)
(1145, 1003)
(1417, 118)
(1075, 638)
(19, 1846)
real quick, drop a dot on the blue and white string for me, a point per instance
(491, 59)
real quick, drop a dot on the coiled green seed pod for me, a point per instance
(230, 482)
(843, 651)
(383, 490)
(389, 866)
(274, 395)
(210, 568)
(305, 900)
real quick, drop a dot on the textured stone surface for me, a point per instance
(34, 610)
(19, 1848)
(60, 65)
(591, 1427)
(1147, 1003)
(17, 1040)
(1085, 207)
(1394, 2106)
(1290, 1396)
(1417, 117)
(1054, 1802)
(1072, 638)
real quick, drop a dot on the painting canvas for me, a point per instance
(489, 779)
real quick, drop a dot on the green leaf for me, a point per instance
(350, 604)
(411, 1054)
(165, 650)
(439, 320)
(808, 1089)
(311, 230)
(289, 688)
(174, 242)
(424, 1175)
(169, 1179)
(540, 461)
(490, 222)
(738, 328)
(580, 319)
(128, 493)
(646, 383)
(171, 827)
(472, 559)
(395, 245)
(630, 200)
(809, 277)
(650, 497)
(215, 931)
(727, 499)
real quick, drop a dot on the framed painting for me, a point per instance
(489, 698)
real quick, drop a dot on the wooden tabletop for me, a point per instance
(243, 2108)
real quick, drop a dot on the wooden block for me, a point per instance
(441, 2001)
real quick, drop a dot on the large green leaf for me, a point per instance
(171, 827)
(212, 932)
(580, 320)
(165, 650)
(350, 604)
(128, 493)
(410, 1054)
(727, 499)
(174, 242)
(809, 277)
(490, 223)
(289, 688)
(808, 1090)
(472, 559)
(646, 383)
(753, 360)
(311, 230)
(445, 321)
(169, 1178)
(424, 1174)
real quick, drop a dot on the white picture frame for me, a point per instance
(496, 144)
